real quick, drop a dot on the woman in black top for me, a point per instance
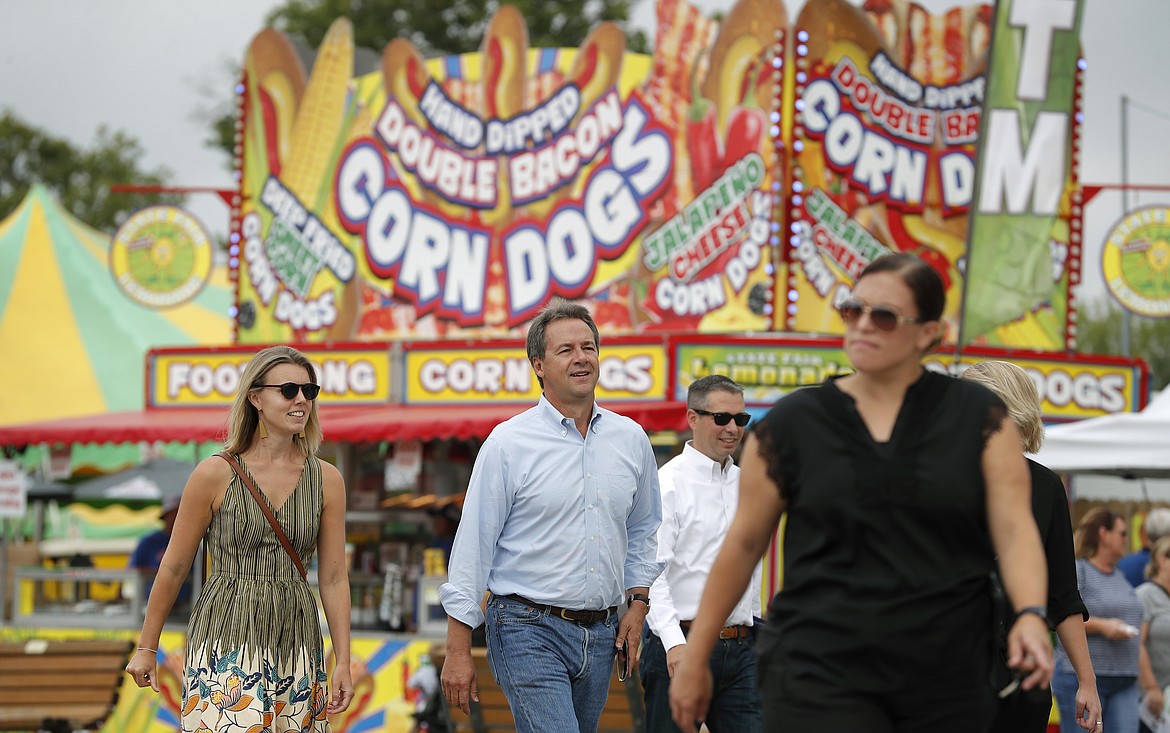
(1028, 712)
(897, 483)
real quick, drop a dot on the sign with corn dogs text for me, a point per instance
(460, 374)
(453, 197)
(1076, 388)
(736, 181)
(887, 113)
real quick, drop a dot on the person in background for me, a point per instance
(1155, 597)
(148, 554)
(1029, 711)
(1115, 615)
(1155, 527)
(430, 715)
(700, 490)
(444, 523)
(562, 509)
(900, 487)
(254, 643)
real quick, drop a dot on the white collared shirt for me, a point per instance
(699, 497)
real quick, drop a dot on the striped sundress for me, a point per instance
(254, 661)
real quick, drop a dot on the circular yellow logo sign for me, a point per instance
(161, 256)
(1136, 262)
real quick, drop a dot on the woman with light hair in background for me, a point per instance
(1113, 626)
(1155, 598)
(1029, 710)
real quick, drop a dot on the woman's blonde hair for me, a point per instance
(244, 418)
(1017, 390)
(1159, 554)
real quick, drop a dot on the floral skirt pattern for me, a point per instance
(255, 661)
(235, 692)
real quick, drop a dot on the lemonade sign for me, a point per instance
(1136, 262)
(161, 257)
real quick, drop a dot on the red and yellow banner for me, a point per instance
(456, 196)
(356, 375)
(889, 101)
(500, 372)
(1070, 389)
(736, 181)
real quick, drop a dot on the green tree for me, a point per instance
(1100, 330)
(451, 26)
(445, 27)
(80, 179)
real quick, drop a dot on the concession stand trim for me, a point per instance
(343, 424)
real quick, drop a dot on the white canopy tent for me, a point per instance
(1133, 445)
(1124, 456)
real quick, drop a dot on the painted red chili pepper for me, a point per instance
(271, 131)
(495, 65)
(588, 67)
(904, 242)
(414, 76)
(758, 75)
(745, 132)
(703, 143)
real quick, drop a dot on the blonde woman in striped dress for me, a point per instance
(255, 656)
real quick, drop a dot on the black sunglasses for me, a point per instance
(722, 418)
(288, 390)
(883, 318)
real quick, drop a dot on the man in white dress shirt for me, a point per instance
(700, 492)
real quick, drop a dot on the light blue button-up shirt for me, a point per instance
(557, 517)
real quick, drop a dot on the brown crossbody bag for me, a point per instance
(264, 508)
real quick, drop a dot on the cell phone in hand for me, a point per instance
(622, 661)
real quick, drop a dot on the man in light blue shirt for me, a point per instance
(559, 526)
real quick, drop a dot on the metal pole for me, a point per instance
(1124, 205)
(4, 614)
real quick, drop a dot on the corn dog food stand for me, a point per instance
(708, 204)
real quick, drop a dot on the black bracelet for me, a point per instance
(1040, 611)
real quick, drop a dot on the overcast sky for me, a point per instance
(155, 67)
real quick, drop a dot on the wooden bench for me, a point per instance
(60, 686)
(624, 710)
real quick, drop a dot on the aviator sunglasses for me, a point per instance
(722, 418)
(883, 318)
(288, 390)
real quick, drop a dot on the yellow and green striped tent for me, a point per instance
(71, 342)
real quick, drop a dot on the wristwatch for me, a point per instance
(638, 597)
(1040, 611)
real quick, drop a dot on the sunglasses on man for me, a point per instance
(289, 390)
(722, 418)
(882, 318)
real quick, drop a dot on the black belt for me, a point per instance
(727, 632)
(581, 617)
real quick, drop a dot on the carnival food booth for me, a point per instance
(709, 204)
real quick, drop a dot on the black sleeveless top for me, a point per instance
(886, 551)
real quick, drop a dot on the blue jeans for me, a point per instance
(1119, 702)
(555, 673)
(735, 704)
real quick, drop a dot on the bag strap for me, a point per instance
(264, 508)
